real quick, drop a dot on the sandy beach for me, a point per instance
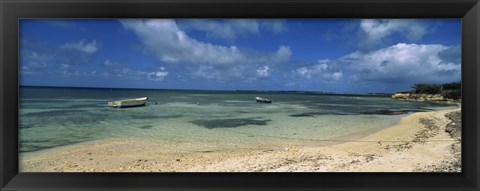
(418, 143)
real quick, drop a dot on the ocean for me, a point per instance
(201, 120)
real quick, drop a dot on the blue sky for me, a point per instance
(335, 55)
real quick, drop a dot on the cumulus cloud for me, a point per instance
(82, 46)
(376, 31)
(158, 75)
(172, 45)
(400, 63)
(262, 71)
(164, 39)
(420, 63)
(325, 70)
(223, 29)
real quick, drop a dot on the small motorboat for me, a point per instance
(135, 102)
(263, 100)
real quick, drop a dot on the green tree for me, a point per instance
(452, 90)
(426, 88)
(452, 86)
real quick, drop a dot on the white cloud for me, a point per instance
(88, 48)
(169, 44)
(131, 74)
(325, 70)
(283, 54)
(262, 71)
(158, 75)
(172, 45)
(375, 31)
(222, 29)
(400, 63)
(304, 72)
(336, 76)
(418, 63)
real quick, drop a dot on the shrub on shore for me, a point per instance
(448, 90)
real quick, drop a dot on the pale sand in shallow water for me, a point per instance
(417, 143)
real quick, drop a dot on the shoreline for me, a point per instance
(417, 143)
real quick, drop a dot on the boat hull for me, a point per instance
(263, 100)
(126, 106)
(128, 103)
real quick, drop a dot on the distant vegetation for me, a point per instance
(449, 90)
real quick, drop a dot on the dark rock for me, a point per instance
(454, 128)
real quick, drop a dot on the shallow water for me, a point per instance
(200, 120)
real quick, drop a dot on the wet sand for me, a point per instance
(418, 143)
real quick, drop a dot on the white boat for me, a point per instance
(135, 102)
(263, 100)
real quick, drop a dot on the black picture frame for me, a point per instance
(13, 10)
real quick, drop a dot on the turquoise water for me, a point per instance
(200, 120)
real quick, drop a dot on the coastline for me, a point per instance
(417, 143)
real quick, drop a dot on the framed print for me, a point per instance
(239, 95)
(203, 95)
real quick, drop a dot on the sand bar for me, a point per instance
(417, 143)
